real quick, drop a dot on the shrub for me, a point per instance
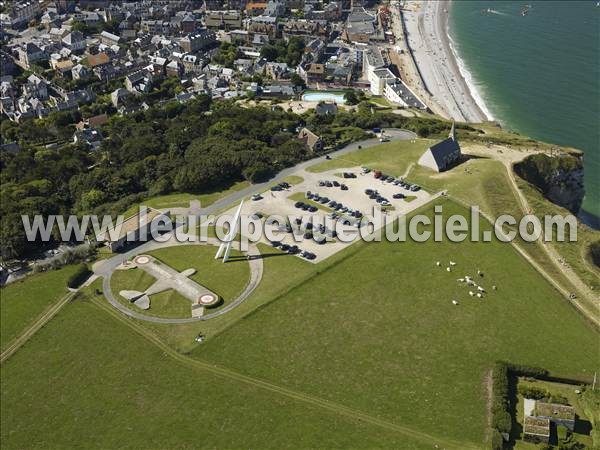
(79, 276)
(533, 392)
(594, 251)
(497, 441)
(501, 419)
(561, 432)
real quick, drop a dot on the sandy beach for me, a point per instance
(440, 75)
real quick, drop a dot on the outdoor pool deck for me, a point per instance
(324, 96)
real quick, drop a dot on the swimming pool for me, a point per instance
(324, 96)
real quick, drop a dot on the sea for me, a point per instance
(535, 66)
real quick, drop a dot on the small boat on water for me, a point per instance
(525, 10)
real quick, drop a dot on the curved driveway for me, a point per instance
(394, 134)
(106, 267)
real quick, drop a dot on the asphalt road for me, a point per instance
(393, 134)
(106, 267)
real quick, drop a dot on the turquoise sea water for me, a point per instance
(538, 74)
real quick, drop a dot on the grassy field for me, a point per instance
(372, 328)
(292, 179)
(23, 301)
(164, 304)
(377, 331)
(281, 272)
(226, 280)
(86, 380)
(182, 200)
(392, 157)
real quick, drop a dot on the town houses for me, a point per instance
(74, 52)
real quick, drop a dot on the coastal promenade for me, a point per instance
(437, 71)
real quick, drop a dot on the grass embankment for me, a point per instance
(391, 157)
(226, 280)
(484, 182)
(23, 301)
(292, 179)
(182, 200)
(356, 319)
(87, 367)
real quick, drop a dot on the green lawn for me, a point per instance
(391, 157)
(380, 101)
(371, 328)
(86, 380)
(182, 200)
(281, 272)
(376, 330)
(24, 300)
(226, 280)
(164, 304)
(293, 179)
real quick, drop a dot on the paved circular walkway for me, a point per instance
(107, 267)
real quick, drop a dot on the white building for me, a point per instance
(399, 93)
(379, 79)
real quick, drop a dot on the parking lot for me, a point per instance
(332, 197)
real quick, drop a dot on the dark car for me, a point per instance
(299, 204)
(398, 195)
(335, 183)
(312, 208)
(285, 247)
(343, 187)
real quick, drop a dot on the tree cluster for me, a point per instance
(186, 148)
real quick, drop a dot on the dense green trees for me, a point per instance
(289, 52)
(226, 54)
(197, 147)
(170, 148)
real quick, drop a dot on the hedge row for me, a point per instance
(79, 276)
(501, 378)
(537, 393)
